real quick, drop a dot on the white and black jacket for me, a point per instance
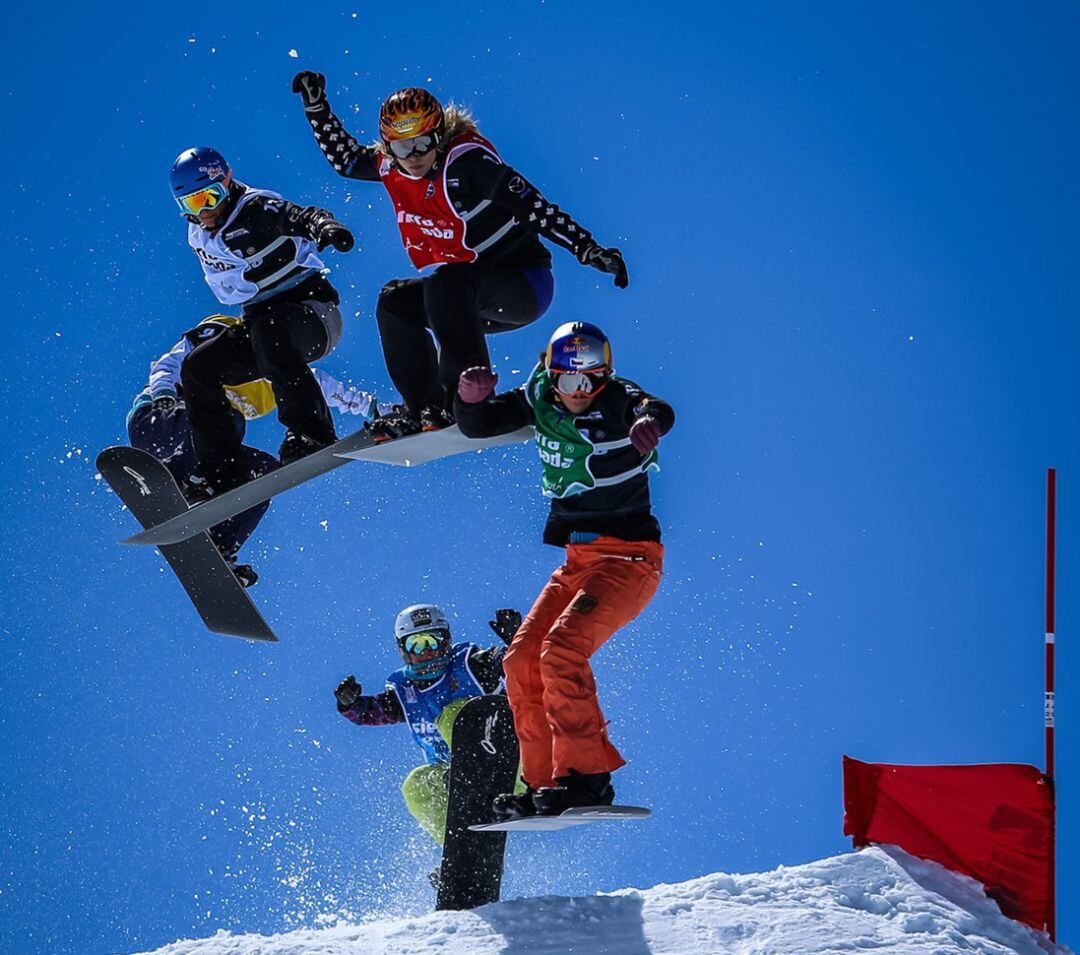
(265, 247)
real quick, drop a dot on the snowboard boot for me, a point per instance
(397, 424)
(508, 806)
(196, 489)
(297, 446)
(577, 789)
(435, 419)
(245, 573)
(222, 476)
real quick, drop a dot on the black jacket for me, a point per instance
(621, 510)
(488, 193)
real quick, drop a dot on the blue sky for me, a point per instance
(851, 237)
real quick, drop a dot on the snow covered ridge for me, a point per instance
(875, 900)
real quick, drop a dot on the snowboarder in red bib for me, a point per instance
(597, 435)
(474, 219)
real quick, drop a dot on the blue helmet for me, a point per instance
(581, 347)
(197, 168)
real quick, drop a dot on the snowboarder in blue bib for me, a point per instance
(258, 251)
(439, 677)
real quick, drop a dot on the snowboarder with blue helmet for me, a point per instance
(438, 678)
(261, 252)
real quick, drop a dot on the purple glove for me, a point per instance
(476, 384)
(645, 434)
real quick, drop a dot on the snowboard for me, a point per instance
(566, 820)
(484, 762)
(407, 451)
(150, 492)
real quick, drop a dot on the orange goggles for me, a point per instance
(209, 198)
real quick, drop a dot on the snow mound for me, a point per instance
(879, 899)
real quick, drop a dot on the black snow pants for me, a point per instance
(460, 302)
(275, 341)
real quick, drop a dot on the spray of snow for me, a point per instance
(878, 899)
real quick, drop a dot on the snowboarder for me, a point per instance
(438, 679)
(259, 251)
(597, 435)
(474, 218)
(158, 423)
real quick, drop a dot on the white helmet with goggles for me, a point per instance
(422, 632)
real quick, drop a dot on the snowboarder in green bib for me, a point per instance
(439, 677)
(597, 435)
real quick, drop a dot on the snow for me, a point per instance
(880, 899)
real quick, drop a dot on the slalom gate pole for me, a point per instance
(1048, 710)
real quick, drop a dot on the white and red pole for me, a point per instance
(1051, 532)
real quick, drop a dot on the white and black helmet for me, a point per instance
(422, 632)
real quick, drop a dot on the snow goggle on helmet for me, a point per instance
(209, 198)
(411, 123)
(417, 146)
(426, 653)
(578, 359)
(578, 384)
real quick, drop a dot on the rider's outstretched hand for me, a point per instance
(348, 692)
(475, 384)
(312, 88)
(506, 624)
(606, 260)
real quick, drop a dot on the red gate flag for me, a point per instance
(993, 822)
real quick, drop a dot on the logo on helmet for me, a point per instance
(213, 171)
(421, 618)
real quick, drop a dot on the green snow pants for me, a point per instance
(425, 788)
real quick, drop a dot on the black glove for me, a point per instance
(606, 260)
(335, 234)
(165, 404)
(348, 692)
(312, 88)
(505, 624)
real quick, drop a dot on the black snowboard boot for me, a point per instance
(397, 424)
(577, 789)
(223, 475)
(435, 419)
(297, 446)
(245, 573)
(507, 806)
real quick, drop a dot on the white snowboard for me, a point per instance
(568, 819)
(420, 448)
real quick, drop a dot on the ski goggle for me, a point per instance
(416, 146)
(209, 198)
(578, 384)
(426, 654)
(424, 641)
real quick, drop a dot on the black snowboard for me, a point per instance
(145, 485)
(414, 449)
(484, 763)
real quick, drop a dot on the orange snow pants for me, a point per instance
(603, 585)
